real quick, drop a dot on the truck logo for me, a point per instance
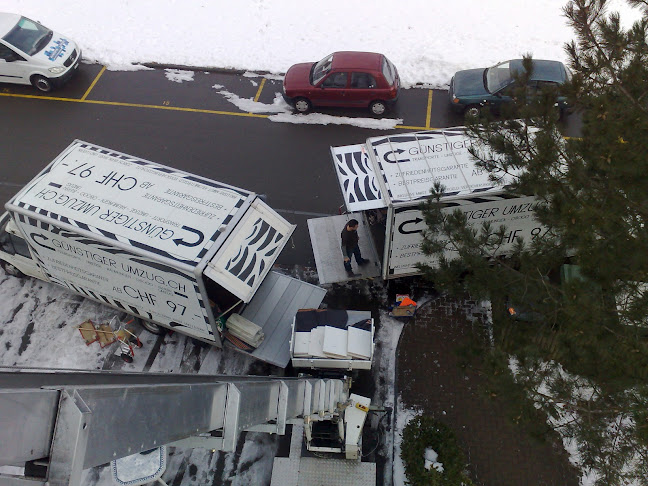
(38, 236)
(57, 49)
(414, 222)
(180, 241)
(395, 160)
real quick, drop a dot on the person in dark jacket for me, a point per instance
(350, 246)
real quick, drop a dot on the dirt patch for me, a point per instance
(431, 377)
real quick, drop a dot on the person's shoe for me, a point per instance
(351, 274)
(364, 261)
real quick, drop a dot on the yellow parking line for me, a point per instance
(172, 108)
(256, 98)
(429, 110)
(407, 127)
(158, 107)
(134, 105)
(93, 83)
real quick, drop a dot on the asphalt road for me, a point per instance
(191, 126)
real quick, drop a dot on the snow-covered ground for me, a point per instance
(427, 41)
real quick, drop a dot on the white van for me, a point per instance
(30, 53)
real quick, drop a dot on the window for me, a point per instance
(10, 243)
(536, 87)
(532, 88)
(5, 243)
(547, 85)
(321, 69)
(363, 81)
(389, 71)
(28, 36)
(335, 80)
(498, 76)
(508, 90)
(7, 54)
(20, 246)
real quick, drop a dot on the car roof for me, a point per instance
(7, 22)
(357, 60)
(543, 70)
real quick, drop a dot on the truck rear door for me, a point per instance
(250, 250)
(361, 192)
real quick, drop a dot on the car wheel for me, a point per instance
(11, 270)
(377, 107)
(302, 105)
(472, 111)
(152, 327)
(41, 83)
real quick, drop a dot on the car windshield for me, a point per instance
(389, 71)
(28, 36)
(498, 76)
(321, 69)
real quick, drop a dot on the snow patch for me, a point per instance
(320, 119)
(178, 75)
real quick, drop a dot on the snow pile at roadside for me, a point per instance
(427, 41)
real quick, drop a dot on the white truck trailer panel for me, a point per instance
(397, 168)
(139, 285)
(165, 211)
(411, 163)
(407, 226)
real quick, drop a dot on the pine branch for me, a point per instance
(585, 15)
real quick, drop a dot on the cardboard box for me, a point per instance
(403, 311)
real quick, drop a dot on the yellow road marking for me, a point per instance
(157, 107)
(256, 98)
(408, 127)
(134, 105)
(429, 110)
(93, 83)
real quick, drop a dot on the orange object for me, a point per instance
(407, 301)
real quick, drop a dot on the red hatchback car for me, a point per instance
(347, 79)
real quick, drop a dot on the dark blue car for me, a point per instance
(474, 88)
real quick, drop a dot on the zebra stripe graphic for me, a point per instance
(357, 177)
(255, 252)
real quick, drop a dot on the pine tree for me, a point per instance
(593, 205)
